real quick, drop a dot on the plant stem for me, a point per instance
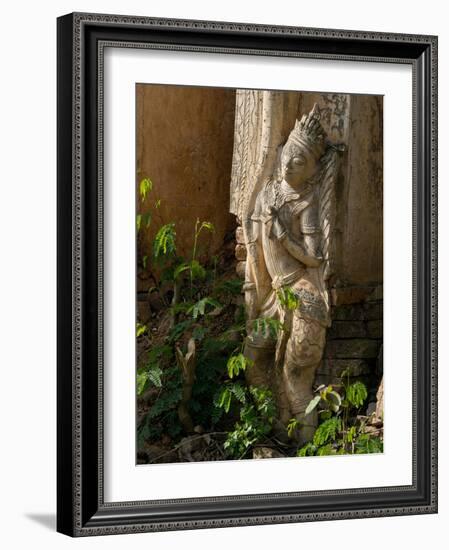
(195, 240)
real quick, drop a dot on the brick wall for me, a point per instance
(354, 341)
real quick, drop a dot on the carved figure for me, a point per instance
(288, 250)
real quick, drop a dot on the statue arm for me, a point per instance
(306, 253)
(294, 248)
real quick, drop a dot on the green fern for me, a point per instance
(292, 426)
(237, 364)
(308, 449)
(154, 375)
(145, 186)
(367, 444)
(165, 241)
(267, 327)
(231, 286)
(288, 298)
(326, 450)
(199, 308)
(238, 391)
(356, 394)
(327, 431)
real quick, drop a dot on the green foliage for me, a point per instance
(264, 402)
(195, 269)
(142, 378)
(151, 373)
(210, 370)
(199, 308)
(165, 241)
(208, 313)
(267, 326)
(231, 286)
(237, 364)
(313, 404)
(178, 330)
(224, 399)
(143, 220)
(308, 449)
(238, 391)
(340, 430)
(145, 186)
(190, 318)
(219, 388)
(256, 418)
(199, 333)
(140, 329)
(356, 394)
(154, 376)
(288, 298)
(292, 426)
(326, 450)
(228, 392)
(162, 378)
(327, 431)
(367, 444)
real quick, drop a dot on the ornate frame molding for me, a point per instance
(81, 42)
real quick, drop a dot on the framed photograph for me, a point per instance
(247, 275)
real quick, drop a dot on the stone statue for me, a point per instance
(288, 242)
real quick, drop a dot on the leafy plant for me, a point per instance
(195, 267)
(356, 394)
(237, 364)
(199, 308)
(165, 241)
(292, 426)
(267, 326)
(140, 329)
(145, 186)
(231, 286)
(192, 317)
(257, 412)
(288, 298)
(341, 429)
(151, 373)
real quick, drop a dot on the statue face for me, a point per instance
(297, 164)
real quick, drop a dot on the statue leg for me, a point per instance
(260, 373)
(302, 358)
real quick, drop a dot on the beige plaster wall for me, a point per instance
(184, 145)
(361, 196)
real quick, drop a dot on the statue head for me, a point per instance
(303, 149)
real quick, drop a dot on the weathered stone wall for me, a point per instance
(360, 199)
(184, 145)
(354, 341)
(357, 122)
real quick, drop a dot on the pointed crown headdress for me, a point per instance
(308, 132)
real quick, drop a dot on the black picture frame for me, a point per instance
(81, 509)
